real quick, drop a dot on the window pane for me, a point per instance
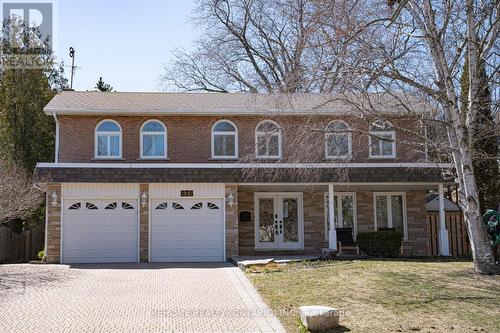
(397, 212)
(108, 126)
(266, 220)
(386, 148)
(159, 145)
(114, 147)
(153, 127)
(290, 220)
(375, 147)
(336, 211)
(381, 210)
(218, 145)
(348, 211)
(268, 127)
(261, 145)
(230, 147)
(147, 145)
(102, 143)
(338, 145)
(224, 127)
(274, 145)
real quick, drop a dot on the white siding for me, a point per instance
(173, 190)
(99, 190)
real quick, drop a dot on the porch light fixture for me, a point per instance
(53, 199)
(230, 199)
(144, 198)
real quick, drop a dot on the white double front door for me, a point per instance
(279, 221)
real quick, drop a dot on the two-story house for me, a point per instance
(163, 177)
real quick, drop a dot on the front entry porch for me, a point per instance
(294, 220)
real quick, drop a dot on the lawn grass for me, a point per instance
(385, 296)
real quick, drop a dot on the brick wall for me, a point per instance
(53, 250)
(232, 223)
(189, 138)
(144, 226)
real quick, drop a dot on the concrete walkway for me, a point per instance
(131, 298)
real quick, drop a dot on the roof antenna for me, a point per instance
(72, 56)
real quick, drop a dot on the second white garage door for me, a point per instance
(187, 230)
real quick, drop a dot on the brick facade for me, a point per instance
(144, 226)
(189, 138)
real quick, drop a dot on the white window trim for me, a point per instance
(234, 133)
(280, 141)
(339, 195)
(120, 143)
(349, 142)
(378, 134)
(389, 210)
(165, 133)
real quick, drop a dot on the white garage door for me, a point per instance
(187, 230)
(100, 230)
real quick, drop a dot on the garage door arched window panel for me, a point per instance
(90, 205)
(153, 140)
(108, 140)
(382, 140)
(268, 140)
(224, 140)
(163, 205)
(198, 205)
(175, 205)
(338, 140)
(77, 205)
(112, 205)
(126, 205)
(211, 205)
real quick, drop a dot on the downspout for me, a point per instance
(56, 157)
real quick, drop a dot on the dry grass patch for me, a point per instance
(385, 296)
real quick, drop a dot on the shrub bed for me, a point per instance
(380, 243)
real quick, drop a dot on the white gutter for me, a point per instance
(241, 165)
(56, 157)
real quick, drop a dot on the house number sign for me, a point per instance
(186, 193)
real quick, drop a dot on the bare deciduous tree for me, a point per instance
(18, 197)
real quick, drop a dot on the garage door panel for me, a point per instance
(194, 233)
(100, 235)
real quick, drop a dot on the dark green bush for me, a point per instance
(380, 243)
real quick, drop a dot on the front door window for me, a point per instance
(279, 221)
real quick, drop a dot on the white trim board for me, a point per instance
(241, 165)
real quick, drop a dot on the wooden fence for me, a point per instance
(457, 234)
(21, 247)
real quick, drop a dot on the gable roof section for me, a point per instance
(142, 103)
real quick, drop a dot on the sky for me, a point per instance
(127, 42)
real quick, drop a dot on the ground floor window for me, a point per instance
(344, 212)
(390, 211)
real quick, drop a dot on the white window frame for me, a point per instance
(280, 141)
(164, 133)
(96, 143)
(339, 196)
(349, 141)
(389, 210)
(378, 134)
(233, 133)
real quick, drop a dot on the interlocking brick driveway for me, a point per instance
(131, 298)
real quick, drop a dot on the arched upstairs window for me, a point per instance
(338, 140)
(153, 140)
(108, 140)
(224, 140)
(268, 140)
(382, 140)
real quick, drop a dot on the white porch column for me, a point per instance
(332, 234)
(444, 248)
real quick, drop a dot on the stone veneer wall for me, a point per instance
(314, 222)
(53, 235)
(232, 223)
(144, 226)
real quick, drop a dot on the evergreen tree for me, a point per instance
(101, 86)
(485, 161)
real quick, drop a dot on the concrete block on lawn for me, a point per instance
(319, 318)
